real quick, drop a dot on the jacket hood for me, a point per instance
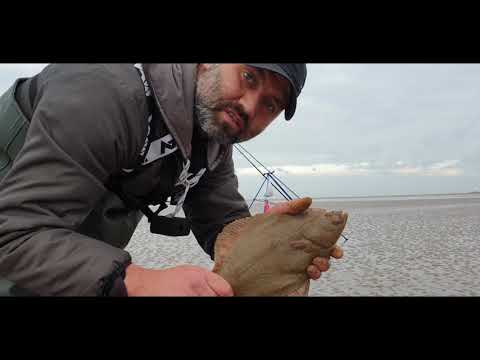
(173, 88)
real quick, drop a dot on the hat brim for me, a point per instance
(292, 102)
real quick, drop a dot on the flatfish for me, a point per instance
(268, 254)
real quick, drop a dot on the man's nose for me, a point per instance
(250, 103)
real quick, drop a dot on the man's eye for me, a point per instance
(271, 108)
(248, 76)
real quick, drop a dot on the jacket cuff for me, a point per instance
(118, 289)
(114, 285)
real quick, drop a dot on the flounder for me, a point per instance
(268, 254)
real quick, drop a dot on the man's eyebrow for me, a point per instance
(260, 72)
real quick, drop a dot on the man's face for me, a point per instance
(236, 102)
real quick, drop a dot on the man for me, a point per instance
(105, 142)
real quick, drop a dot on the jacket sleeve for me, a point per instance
(213, 203)
(77, 138)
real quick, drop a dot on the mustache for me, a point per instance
(238, 108)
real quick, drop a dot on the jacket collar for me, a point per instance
(173, 88)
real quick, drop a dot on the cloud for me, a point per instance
(363, 168)
(445, 168)
(442, 168)
(324, 169)
(447, 164)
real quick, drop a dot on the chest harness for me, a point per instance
(157, 147)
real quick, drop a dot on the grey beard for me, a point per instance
(210, 128)
(207, 97)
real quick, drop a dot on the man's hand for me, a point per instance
(185, 280)
(297, 206)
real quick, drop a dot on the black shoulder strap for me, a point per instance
(32, 90)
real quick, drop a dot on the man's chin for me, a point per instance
(226, 141)
(219, 133)
(222, 138)
(227, 137)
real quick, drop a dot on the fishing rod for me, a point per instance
(272, 172)
(272, 176)
(281, 190)
(265, 175)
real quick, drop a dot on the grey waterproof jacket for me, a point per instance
(63, 226)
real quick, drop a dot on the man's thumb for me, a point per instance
(218, 284)
(292, 207)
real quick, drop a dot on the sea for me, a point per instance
(418, 245)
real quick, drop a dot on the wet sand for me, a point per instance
(399, 246)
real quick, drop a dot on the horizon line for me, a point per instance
(373, 196)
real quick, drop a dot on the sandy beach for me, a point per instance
(399, 246)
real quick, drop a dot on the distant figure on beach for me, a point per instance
(86, 150)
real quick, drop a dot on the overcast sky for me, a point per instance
(367, 129)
